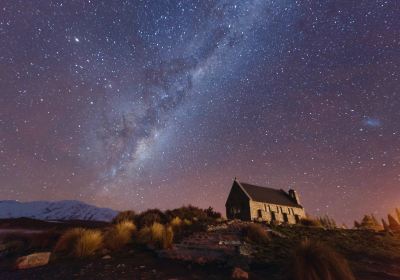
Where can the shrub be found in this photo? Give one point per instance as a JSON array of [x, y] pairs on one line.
[[256, 233], [314, 261], [123, 216], [168, 237], [212, 214], [144, 235], [309, 222], [120, 235], [31, 241], [327, 222], [151, 216], [90, 241], [188, 212], [157, 232], [176, 222], [66, 243], [393, 224], [369, 223], [157, 235], [79, 242]]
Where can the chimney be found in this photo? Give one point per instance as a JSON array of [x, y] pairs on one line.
[[293, 194]]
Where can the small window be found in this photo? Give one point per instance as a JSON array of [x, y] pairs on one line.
[[259, 214], [285, 218]]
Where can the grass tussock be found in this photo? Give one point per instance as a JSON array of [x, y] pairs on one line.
[[157, 235], [119, 235], [79, 242], [176, 222], [316, 261], [256, 233], [310, 222], [123, 216]]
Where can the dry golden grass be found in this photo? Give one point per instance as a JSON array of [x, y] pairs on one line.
[[176, 222], [256, 234], [168, 237], [156, 235], [310, 222], [89, 242], [315, 261], [79, 242], [157, 232], [144, 235], [120, 235]]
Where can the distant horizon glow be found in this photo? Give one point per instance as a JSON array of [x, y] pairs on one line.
[[149, 104]]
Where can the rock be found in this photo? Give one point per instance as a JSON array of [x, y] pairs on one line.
[[106, 257], [33, 260], [239, 273]]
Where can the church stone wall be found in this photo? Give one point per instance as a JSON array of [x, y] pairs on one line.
[[260, 211]]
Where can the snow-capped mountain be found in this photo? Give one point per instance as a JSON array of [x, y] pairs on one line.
[[55, 210]]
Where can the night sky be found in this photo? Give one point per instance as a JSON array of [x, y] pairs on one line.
[[143, 104]]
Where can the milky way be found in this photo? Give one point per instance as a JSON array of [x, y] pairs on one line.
[[143, 104]]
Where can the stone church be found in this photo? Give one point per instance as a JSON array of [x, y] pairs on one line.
[[254, 203]]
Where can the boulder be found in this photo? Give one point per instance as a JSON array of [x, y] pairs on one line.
[[33, 260], [239, 273]]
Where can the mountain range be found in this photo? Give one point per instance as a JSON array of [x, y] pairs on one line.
[[55, 210]]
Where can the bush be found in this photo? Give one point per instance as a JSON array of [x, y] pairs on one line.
[[79, 242], [144, 235], [30, 241], [176, 222], [313, 261], [123, 216], [187, 212], [212, 214], [327, 222], [393, 224], [151, 216], [256, 233], [157, 232], [309, 222], [157, 235], [369, 222], [119, 235], [168, 237]]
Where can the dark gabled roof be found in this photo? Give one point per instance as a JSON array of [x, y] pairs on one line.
[[268, 195]]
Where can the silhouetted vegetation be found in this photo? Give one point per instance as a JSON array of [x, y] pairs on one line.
[[151, 216], [327, 222], [256, 233], [315, 261], [123, 216], [79, 242], [368, 222], [310, 222], [119, 235]]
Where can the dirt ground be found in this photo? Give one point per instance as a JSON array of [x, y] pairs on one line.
[[134, 265]]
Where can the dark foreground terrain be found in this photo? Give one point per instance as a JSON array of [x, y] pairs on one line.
[[210, 253], [130, 265]]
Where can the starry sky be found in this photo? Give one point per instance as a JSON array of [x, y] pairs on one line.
[[143, 104]]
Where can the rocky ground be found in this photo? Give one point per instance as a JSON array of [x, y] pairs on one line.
[[129, 265], [223, 251]]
